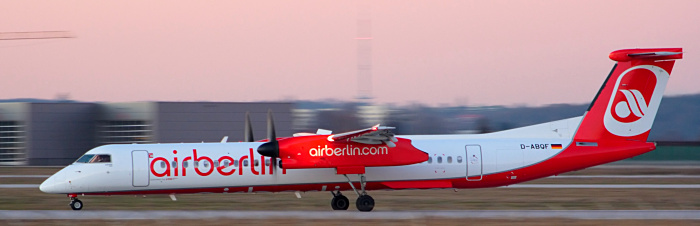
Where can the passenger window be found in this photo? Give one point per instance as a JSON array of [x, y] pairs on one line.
[[226, 163], [439, 160], [235, 163], [206, 164], [459, 159], [245, 162], [430, 159], [184, 164], [449, 159], [267, 162], [162, 164], [257, 163], [196, 164], [279, 164], [174, 164]]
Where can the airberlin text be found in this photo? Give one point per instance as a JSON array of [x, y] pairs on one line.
[[204, 165], [348, 150]]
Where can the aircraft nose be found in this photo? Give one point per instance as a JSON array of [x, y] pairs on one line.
[[48, 185], [52, 184]]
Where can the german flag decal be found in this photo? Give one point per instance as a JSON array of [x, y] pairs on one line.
[[556, 146]]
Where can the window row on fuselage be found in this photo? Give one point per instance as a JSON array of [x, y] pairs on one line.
[[439, 159], [245, 163], [102, 158]]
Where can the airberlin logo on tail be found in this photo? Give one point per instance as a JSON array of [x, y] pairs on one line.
[[635, 100], [634, 104]]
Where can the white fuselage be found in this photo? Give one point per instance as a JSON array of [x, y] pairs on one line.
[[135, 167]]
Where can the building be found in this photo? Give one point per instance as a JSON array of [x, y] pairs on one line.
[[58, 133], [45, 133]]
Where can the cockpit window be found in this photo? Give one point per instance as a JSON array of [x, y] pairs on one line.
[[95, 159], [101, 158], [85, 158]]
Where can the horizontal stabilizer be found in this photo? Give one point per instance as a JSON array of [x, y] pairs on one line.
[[647, 54]]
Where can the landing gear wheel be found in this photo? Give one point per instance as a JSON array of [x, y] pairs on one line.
[[365, 203], [76, 204], [340, 202]]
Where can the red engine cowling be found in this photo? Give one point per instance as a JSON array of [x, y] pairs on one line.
[[317, 151]]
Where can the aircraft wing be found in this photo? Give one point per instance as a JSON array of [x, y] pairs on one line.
[[375, 135]]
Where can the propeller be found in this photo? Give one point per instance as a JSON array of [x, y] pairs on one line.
[[271, 136], [271, 148], [248, 136]]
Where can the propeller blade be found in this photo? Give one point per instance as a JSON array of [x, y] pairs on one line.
[[270, 126], [248, 136], [272, 147]]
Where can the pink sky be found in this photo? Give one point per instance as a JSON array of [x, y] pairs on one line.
[[432, 52]]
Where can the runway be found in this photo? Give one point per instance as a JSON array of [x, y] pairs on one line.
[[19, 185], [652, 165], [673, 176], [656, 186], [679, 176], [25, 176], [380, 215]]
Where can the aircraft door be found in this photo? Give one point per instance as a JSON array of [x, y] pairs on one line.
[[474, 166], [139, 168]]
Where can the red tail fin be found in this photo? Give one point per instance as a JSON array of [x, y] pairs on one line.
[[626, 104]]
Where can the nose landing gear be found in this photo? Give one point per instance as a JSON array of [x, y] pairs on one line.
[[75, 203]]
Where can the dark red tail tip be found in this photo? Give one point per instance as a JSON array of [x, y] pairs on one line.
[[647, 54]]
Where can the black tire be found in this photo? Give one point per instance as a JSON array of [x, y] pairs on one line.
[[76, 204], [365, 203], [340, 202]]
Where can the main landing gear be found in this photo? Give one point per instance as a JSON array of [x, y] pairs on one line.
[[75, 203], [339, 201], [364, 203]]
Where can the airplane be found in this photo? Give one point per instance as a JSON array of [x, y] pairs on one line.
[[615, 127]]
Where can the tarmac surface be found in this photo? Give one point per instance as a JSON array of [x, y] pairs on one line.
[[643, 210], [655, 186], [560, 176], [669, 186], [25, 176], [382, 215]]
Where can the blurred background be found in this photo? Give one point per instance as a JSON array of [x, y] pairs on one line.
[[78, 74], [56, 132]]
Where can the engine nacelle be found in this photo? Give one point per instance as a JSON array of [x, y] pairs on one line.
[[320, 152]]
